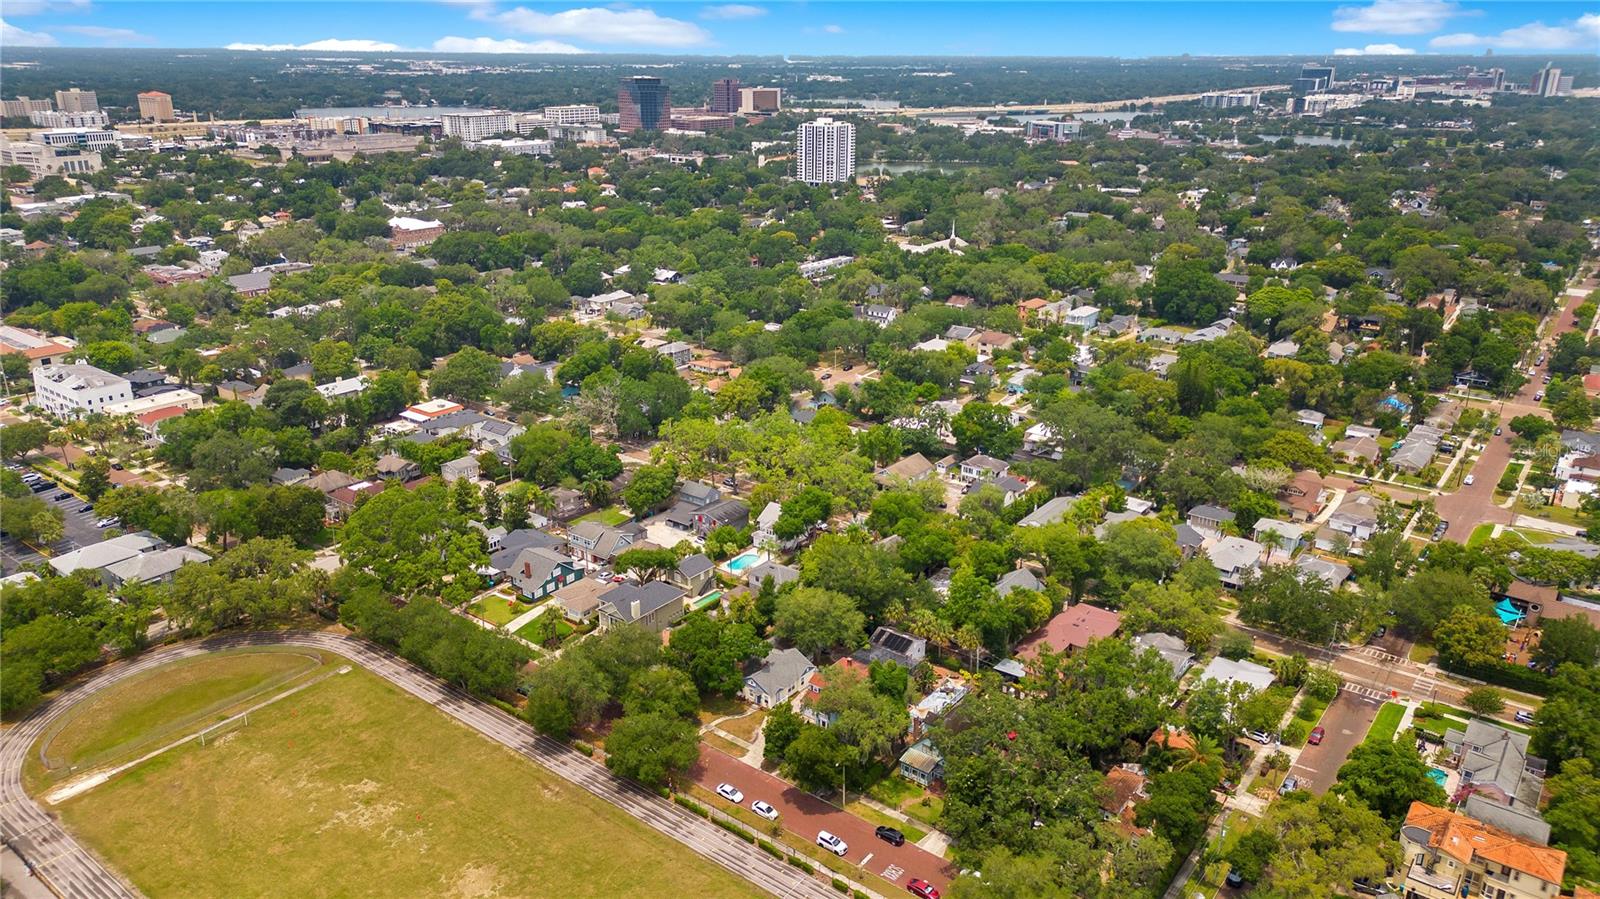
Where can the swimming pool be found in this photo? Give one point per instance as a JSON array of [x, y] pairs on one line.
[[744, 560], [1438, 775]]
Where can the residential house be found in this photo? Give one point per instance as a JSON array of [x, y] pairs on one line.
[[1190, 541], [98, 556], [1210, 519], [1446, 855], [776, 678], [1053, 511], [1356, 449], [962, 334], [777, 572], [677, 351], [1302, 497], [153, 567], [289, 477], [1495, 763], [1121, 791], [540, 571], [983, 468], [580, 600], [693, 496], [1310, 418], [1084, 317], [654, 605], [763, 534], [601, 304], [1283, 536], [568, 503], [911, 469], [922, 764], [599, 544], [732, 513], [877, 314], [394, 467], [939, 701], [1356, 519], [1334, 574], [1227, 671], [1173, 650], [889, 645], [1234, 558], [1071, 630], [1413, 454], [693, 574], [1282, 349], [456, 469], [1017, 579], [506, 546], [991, 342]]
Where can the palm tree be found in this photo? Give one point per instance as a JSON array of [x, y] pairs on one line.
[[597, 492], [1201, 751], [541, 500], [61, 438]]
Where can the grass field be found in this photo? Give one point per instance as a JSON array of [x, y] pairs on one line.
[[497, 610], [140, 712], [611, 516], [353, 788], [1387, 722]]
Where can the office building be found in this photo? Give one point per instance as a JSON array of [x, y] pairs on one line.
[[49, 119], [88, 138], [22, 107], [42, 160], [700, 120], [156, 106], [587, 132], [572, 115], [725, 95], [1056, 131], [760, 100], [515, 146], [476, 125], [1547, 83], [644, 104], [76, 100], [825, 152], [74, 390], [1314, 78], [1229, 100]]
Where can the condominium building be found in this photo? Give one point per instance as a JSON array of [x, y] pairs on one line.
[[75, 390], [156, 106], [41, 160], [572, 115], [75, 100], [1447, 854], [725, 95], [755, 100], [644, 104], [22, 107], [1229, 100], [476, 125], [48, 119], [825, 152]]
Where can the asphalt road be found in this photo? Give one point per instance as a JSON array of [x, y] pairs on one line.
[[76, 872], [804, 814], [1346, 722]]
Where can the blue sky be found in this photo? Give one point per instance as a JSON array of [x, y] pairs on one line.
[[809, 27]]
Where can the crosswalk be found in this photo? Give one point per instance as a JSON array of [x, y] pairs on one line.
[[1364, 691]]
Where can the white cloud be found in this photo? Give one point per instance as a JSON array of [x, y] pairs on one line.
[[334, 44], [110, 35], [1375, 50], [833, 29], [12, 36], [733, 11], [604, 26], [15, 8], [491, 45], [1579, 35], [1396, 16]]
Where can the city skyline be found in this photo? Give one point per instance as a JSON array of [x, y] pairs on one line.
[[1382, 27]]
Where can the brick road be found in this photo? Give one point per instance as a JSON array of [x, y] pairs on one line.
[[804, 814]]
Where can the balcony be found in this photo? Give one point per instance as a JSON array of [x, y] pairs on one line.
[[1427, 883]]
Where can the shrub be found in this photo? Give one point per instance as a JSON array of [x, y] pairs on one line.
[[857, 894], [801, 863], [692, 806], [840, 885], [583, 747], [769, 849], [734, 829], [1296, 732]]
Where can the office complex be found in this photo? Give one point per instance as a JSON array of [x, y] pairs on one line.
[[725, 95], [825, 152], [1230, 100], [75, 100], [643, 103], [1314, 78], [1548, 82], [1056, 131], [476, 125], [75, 390], [572, 115], [42, 160], [88, 138], [51, 119], [155, 106], [22, 107], [753, 100]]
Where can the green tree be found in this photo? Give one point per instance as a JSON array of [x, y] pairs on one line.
[[985, 428], [712, 651], [814, 620], [94, 477], [1563, 640], [1323, 843], [1567, 726], [468, 375], [816, 760], [652, 748], [1387, 776], [20, 439], [782, 728], [651, 486], [661, 690], [1574, 817], [1469, 639], [415, 543], [648, 564], [1485, 701]]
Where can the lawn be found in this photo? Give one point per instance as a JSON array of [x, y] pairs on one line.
[[354, 788], [873, 816], [1387, 722], [1479, 535], [498, 610], [536, 628], [112, 725], [747, 727], [612, 516], [1422, 652], [714, 707]]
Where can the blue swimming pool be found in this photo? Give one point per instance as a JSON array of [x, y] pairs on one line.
[[744, 560], [1438, 775]]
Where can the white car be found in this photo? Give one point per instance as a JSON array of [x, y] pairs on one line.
[[730, 793], [1468, 480], [832, 843], [108, 523], [764, 810]]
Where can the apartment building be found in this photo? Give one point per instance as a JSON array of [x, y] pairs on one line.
[[577, 114], [825, 152], [476, 125], [74, 390], [1447, 854], [23, 107], [75, 100]]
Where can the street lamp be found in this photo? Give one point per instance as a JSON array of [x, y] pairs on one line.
[[844, 797]]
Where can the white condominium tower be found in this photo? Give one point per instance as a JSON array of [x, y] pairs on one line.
[[826, 152]]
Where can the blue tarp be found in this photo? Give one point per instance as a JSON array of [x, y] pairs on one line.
[[1509, 614]]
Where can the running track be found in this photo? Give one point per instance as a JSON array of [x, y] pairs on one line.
[[76, 872]]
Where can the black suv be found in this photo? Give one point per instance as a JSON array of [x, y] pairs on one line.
[[891, 836]]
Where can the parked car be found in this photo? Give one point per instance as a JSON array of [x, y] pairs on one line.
[[832, 843], [1546, 379], [1260, 736], [1469, 480], [1497, 430], [730, 793], [891, 836], [1289, 785], [827, 375], [764, 810], [1539, 397], [920, 887], [1316, 735], [1235, 880], [62, 497], [108, 522], [1523, 717]]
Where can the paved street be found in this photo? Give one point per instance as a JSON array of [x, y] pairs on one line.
[[1346, 721], [76, 872], [804, 814]]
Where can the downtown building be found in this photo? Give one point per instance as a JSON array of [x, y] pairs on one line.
[[825, 152], [760, 100], [644, 104], [725, 95], [156, 106], [23, 107], [476, 125], [76, 100], [572, 115]]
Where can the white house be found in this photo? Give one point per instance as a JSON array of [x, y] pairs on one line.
[[74, 390], [1234, 558], [776, 678]]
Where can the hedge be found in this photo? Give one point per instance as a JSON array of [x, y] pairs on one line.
[[857, 894], [1515, 677], [840, 885], [801, 863], [734, 829], [692, 806], [769, 849], [583, 747]]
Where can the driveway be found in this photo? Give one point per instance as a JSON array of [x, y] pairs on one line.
[[804, 814], [1346, 722]]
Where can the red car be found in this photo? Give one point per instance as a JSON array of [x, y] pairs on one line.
[[1315, 739], [920, 887]]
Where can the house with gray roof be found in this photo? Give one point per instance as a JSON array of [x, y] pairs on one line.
[[780, 574], [97, 556], [1209, 518], [540, 571], [1173, 650], [693, 573], [594, 542], [654, 605], [773, 680], [1334, 574], [1015, 579], [457, 469], [1051, 512], [1495, 762], [1234, 559], [155, 567]]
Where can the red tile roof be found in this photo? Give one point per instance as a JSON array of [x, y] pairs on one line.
[[1072, 629], [1462, 838]]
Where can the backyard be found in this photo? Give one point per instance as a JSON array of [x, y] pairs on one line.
[[611, 516], [317, 787]]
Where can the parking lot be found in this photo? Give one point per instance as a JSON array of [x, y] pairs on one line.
[[77, 522], [1346, 722]]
